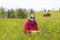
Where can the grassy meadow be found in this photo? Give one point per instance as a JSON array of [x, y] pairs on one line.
[[49, 27]]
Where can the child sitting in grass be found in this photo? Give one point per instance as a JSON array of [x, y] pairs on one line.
[[31, 25]]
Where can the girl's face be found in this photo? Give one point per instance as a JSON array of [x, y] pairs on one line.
[[32, 18]]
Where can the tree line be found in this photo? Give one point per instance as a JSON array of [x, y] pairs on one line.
[[18, 13]]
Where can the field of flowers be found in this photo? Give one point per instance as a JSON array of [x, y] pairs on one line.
[[49, 27]]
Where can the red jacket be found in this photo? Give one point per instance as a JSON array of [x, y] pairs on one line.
[[30, 26]]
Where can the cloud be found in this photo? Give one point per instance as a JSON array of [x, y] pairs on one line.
[[35, 4]]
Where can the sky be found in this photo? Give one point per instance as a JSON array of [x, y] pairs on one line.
[[30, 4]]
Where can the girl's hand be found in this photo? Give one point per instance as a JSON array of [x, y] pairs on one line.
[[35, 31]]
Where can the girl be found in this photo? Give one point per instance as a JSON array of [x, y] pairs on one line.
[[31, 25]]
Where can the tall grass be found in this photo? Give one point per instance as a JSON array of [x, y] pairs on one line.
[[49, 27]]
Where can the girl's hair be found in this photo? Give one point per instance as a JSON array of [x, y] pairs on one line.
[[32, 15]]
